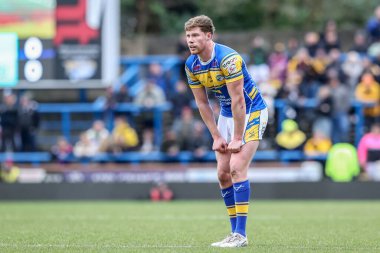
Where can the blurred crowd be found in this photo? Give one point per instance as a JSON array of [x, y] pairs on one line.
[[315, 68]]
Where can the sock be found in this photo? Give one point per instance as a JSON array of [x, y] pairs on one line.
[[242, 193], [229, 200]]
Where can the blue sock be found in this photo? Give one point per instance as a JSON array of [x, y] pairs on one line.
[[229, 200], [242, 193]]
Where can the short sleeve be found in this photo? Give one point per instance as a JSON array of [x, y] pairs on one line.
[[231, 67], [192, 80]]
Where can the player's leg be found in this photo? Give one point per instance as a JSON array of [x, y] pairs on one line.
[[225, 182], [227, 192], [239, 173], [239, 164]]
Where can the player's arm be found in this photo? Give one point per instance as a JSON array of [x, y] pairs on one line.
[[238, 107], [231, 67], [207, 115]]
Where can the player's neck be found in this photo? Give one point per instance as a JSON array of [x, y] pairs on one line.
[[206, 54]]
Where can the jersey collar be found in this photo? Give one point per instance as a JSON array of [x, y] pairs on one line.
[[211, 58]]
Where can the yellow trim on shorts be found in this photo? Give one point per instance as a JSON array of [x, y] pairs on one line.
[[252, 134]]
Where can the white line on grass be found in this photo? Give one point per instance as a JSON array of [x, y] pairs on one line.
[[125, 246], [133, 217], [112, 246]]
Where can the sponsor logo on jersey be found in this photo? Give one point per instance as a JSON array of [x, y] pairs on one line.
[[230, 65]]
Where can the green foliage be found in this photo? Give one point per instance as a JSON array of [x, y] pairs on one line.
[[168, 16]]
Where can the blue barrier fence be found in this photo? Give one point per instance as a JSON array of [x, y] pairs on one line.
[[66, 125], [184, 157]]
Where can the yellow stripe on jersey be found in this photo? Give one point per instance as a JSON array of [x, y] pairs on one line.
[[192, 79], [234, 77], [228, 56], [253, 92]]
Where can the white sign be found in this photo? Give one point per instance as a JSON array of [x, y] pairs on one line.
[[8, 59]]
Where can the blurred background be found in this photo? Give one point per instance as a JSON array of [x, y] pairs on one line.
[[95, 101]]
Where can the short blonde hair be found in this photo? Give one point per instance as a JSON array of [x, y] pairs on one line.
[[203, 22]]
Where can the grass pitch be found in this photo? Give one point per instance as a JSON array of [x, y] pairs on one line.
[[187, 226]]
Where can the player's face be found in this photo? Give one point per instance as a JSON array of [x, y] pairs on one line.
[[197, 40]]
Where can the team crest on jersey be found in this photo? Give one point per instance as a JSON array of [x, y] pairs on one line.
[[214, 64], [219, 78], [197, 67]]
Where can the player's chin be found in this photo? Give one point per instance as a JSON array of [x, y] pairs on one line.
[[194, 51]]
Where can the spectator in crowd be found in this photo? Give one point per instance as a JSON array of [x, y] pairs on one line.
[[371, 67], [368, 92], [169, 145], [323, 121], [184, 129], [329, 27], [292, 47], [342, 163], [113, 97], [373, 26], [312, 43], [374, 49], [122, 95], [258, 57], [268, 92], [201, 142], [319, 144], [369, 149], [148, 141], [352, 68], [62, 150], [123, 137], [9, 123], [97, 134], [181, 98], [151, 96], [157, 75], [360, 45], [85, 148], [304, 65], [341, 107], [331, 41], [29, 120], [277, 62], [290, 137], [335, 64]]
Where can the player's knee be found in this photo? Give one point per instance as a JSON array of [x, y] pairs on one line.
[[236, 171], [224, 177]]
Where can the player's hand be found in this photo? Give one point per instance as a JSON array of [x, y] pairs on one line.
[[234, 146], [220, 145]]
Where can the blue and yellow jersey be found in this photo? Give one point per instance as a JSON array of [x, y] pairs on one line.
[[225, 66]]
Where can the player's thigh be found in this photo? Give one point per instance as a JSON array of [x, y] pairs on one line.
[[223, 162], [240, 161]]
